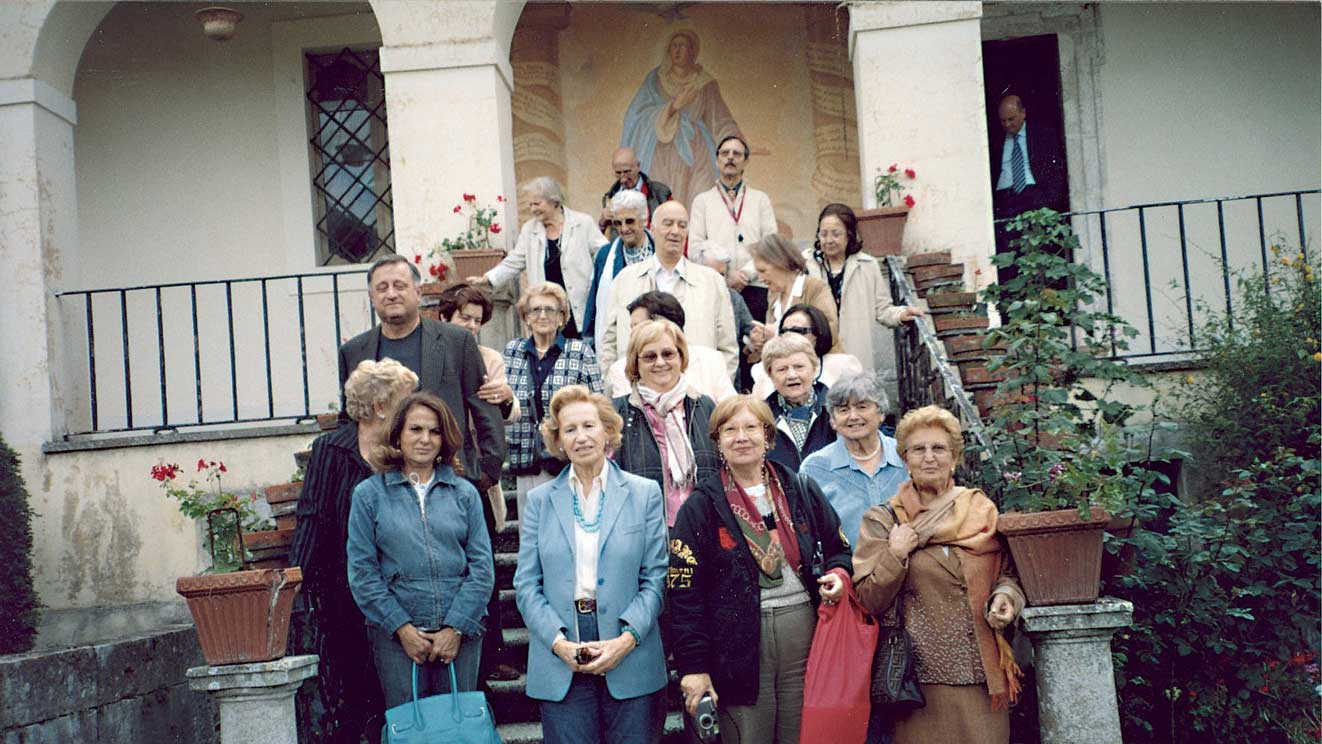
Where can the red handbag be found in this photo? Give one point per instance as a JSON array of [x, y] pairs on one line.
[[837, 687]]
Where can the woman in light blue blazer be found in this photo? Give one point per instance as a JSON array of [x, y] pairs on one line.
[[592, 558]]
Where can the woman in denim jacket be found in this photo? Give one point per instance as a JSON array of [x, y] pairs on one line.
[[419, 557]]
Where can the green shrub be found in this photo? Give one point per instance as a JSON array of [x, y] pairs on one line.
[[1225, 584], [18, 600]]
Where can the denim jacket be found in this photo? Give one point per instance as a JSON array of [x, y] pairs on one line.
[[434, 570]]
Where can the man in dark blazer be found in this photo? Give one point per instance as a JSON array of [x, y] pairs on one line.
[[1027, 169], [629, 175], [444, 356]]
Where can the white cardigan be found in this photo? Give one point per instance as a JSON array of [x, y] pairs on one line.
[[865, 301], [713, 233], [579, 240]]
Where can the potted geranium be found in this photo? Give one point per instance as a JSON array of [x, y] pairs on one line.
[[882, 229], [241, 615], [1065, 454], [471, 253]]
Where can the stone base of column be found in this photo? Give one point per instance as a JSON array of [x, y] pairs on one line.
[[1076, 699], [256, 700]]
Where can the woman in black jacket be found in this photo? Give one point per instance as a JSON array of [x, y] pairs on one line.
[[755, 548], [665, 419]]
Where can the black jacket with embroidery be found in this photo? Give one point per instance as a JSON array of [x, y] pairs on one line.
[[712, 586]]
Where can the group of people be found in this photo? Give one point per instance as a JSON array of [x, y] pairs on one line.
[[665, 518]]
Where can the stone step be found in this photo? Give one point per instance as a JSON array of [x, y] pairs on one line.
[[530, 732]]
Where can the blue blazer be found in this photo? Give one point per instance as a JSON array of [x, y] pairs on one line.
[[631, 569]]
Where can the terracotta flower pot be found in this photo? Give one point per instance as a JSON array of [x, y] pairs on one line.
[[242, 617], [882, 229], [1058, 555], [475, 263]]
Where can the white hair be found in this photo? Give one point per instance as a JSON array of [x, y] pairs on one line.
[[628, 200], [546, 187]]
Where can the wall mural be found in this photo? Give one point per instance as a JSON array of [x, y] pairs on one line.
[[670, 80]]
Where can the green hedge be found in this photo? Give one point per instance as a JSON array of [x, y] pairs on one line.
[[18, 601]]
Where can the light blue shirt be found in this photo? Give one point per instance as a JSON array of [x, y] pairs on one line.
[[1006, 180], [850, 490]]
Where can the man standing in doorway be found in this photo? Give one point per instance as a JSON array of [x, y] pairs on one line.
[[630, 177], [444, 356], [729, 218], [1028, 170]]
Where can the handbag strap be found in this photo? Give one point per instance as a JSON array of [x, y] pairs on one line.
[[899, 596], [417, 709], [455, 711]]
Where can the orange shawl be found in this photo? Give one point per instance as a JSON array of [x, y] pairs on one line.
[[966, 519]]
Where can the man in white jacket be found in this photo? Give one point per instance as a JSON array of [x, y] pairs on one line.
[[729, 218], [702, 292]]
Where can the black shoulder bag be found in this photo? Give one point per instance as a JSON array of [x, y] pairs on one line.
[[894, 679]]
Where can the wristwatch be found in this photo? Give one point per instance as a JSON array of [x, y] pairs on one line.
[[457, 631]]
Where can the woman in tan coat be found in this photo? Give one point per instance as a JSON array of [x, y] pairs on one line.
[[936, 543], [780, 265]]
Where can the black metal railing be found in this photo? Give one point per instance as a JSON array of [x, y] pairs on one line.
[[1163, 261], [924, 373], [234, 380]]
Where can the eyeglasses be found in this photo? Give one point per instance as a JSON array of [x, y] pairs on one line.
[[627, 222], [936, 450], [730, 430], [538, 311], [801, 330], [730, 153], [650, 357], [836, 234]]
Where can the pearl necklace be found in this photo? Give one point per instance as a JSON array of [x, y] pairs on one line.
[[868, 456]]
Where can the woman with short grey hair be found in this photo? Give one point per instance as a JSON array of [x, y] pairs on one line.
[[862, 467], [632, 244], [557, 245]]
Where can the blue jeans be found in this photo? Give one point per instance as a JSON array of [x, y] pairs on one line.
[[396, 669], [589, 715]]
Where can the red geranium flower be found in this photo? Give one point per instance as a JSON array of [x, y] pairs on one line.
[[417, 259], [458, 208], [495, 229], [201, 465], [500, 198], [470, 198], [893, 168], [441, 271], [908, 200], [435, 270], [910, 173], [222, 468]]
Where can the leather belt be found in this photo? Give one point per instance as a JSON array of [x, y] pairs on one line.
[[585, 606]]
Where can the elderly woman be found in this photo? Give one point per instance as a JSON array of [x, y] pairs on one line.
[[346, 677], [633, 245], [798, 404], [809, 322], [706, 370], [420, 563], [858, 285], [470, 308], [556, 245], [935, 545], [591, 564], [781, 266], [862, 468], [539, 365], [665, 418], [754, 550]]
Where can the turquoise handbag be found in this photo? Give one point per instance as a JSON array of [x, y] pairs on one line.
[[454, 718]]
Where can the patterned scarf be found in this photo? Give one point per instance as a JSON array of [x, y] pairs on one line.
[[665, 416], [799, 418], [772, 540]]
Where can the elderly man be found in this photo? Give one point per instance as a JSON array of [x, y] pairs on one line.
[[728, 219], [862, 468], [630, 177], [445, 358], [632, 245], [699, 289], [1028, 170]]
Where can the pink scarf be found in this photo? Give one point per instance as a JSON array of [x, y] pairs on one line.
[[665, 416]]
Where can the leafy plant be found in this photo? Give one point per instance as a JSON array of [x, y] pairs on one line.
[[18, 600], [197, 502], [1058, 437], [890, 190], [1226, 581]]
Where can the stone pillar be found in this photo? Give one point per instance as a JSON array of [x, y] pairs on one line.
[[1076, 699], [918, 84], [256, 700], [539, 121]]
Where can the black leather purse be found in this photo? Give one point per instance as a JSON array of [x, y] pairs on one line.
[[894, 679]]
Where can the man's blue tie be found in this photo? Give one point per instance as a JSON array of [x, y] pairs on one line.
[[1018, 171]]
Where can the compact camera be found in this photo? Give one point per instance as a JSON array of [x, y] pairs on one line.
[[706, 725]]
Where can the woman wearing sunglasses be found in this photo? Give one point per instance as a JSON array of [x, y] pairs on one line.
[[665, 418], [633, 245]]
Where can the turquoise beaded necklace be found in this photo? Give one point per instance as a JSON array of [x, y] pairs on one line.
[[595, 524]]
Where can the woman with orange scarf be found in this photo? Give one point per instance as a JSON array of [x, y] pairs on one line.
[[936, 543]]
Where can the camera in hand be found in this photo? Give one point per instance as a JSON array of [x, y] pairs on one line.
[[706, 725], [581, 655]]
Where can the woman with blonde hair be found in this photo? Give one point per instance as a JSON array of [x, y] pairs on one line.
[[933, 553], [589, 581], [665, 418]]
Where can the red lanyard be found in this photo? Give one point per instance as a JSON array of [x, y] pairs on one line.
[[729, 205]]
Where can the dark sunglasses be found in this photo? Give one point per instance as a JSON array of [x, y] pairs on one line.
[[801, 330], [630, 222]]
